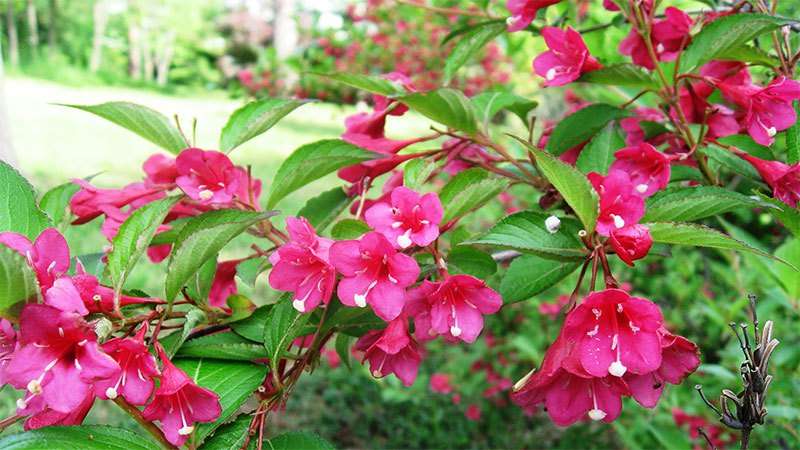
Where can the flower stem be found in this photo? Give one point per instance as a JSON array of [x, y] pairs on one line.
[[150, 427]]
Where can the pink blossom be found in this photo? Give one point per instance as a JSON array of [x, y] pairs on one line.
[[138, 369], [567, 59], [303, 266], [224, 284], [635, 134], [473, 412], [48, 417], [524, 11], [784, 179], [767, 110], [89, 201], [8, 343], [98, 298], [160, 170], [208, 177], [58, 359], [552, 309], [374, 273], [391, 350], [631, 243], [647, 168], [179, 403], [620, 204], [409, 219], [455, 306], [48, 255], [615, 333], [63, 295], [670, 35], [440, 383]]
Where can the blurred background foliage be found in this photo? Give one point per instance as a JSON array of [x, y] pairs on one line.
[[200, 59]]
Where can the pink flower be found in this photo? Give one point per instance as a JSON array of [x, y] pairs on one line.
[[440, 383], [552, 309], [631, 243], [89, 201], [670, 35], [224, 284], [374, 273], [635, 134], [784, 179], [391, 350], [620, 205], [524, 11], [63, 295], [303, 266], [48, 255], [8, 343], [160, 170], [455, 306], [49, 417], [100, 299], [135, 380], [767, 110], [647, 168], [615, 333], [567, 59], [208, 177], [179, 403], [58, 359], [409, 219], [473, 412]]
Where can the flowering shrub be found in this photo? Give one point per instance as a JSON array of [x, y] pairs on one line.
[[407, 252]]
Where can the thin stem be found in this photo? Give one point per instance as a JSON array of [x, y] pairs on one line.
[[150, 427], [8, 421]]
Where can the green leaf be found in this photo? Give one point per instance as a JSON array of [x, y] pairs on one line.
[[417, 171], [284, 325], [581, 125], [725, 34], [598, 154], [354, 321], [342, 345], [447, 106], [249, 270], [254, 119], [84, 437], [525, 231], [226, 345], [133, 238], [311, 162], [698, 236], [749, 54], [573, 186], [169, 236], [202, 238], [55, 202], [489, 104], [296, 440], [471, 261], [467, 191], [369, 83], [17, 282], [793, 139], [746, 143], [471, 43], [734, 163], [231, 436], [349, 229], [323, 209], [234, 382], [788, 216], [790, 252], [174, 341], [147, 123], [18, 210], [253, 327], [199, 285], [626, 75], [694, 203], [529, 275]]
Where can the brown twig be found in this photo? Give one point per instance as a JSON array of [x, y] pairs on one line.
[[150, 427]]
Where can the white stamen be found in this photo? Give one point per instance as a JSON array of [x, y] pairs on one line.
[[35, 387], [597, 414], [392, 279], [361, 300], [51, 267], [455, 331], [205, 194], [619, 307], [552, 224], [78, 365], [660, 48], [397, 225], [551, 74], [619, 222], [641, 188], [593, 331], [60, 331], [617, 369], [597, 313], [771, 131], [299, 304], [111, 393], [614, 342], [404, 240], [21, 404], [634, 328], [186, 430]]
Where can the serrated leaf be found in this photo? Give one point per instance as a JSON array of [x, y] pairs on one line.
[[749, 54], [729, 160], [471, 261], [174, 341], [249, 270], [134, 237], [467, 191], [788, 216], [529, 275], [417, 171], [199, 285], [311, 162], [626, 75], [353, 321], [55, 202], [201, 239], [581, 125], [252, 328], [793, 139], [447, 106], [323, 209], [17, 282], [694, 203], [231, 436], [228, 345], [489, 104], [525, 231], [234, 382], [746, 143], [349, 229], [472, 41], [573, 186], [369, 83], [18, 209], [146, 122], [84, 437], [598, 155], [724, 34], [284, 324], [254, 119]]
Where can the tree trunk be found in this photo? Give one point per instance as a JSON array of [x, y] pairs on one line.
[[7, 153], [13, 38], [33, 25], [52, 29], [164, 58], [285, 36], [100, 23], [147, 55]]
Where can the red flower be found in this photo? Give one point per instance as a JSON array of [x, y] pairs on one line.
[[208, 177], [524, 11], [135, 381], [620, 204], [391, 350], [647, 168], [631, 243], [567, 59], [784, 179]]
